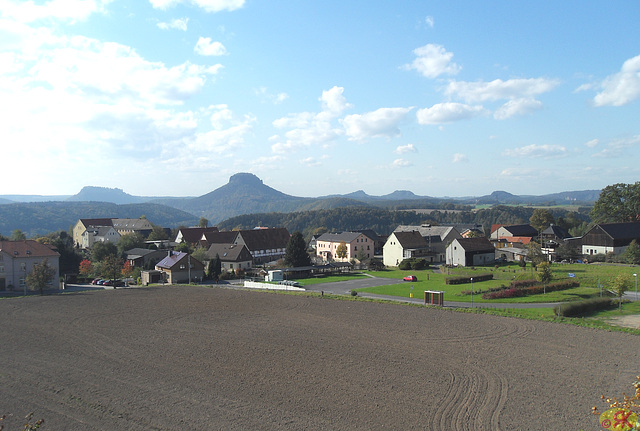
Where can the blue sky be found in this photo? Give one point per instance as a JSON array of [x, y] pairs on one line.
[[172, 97]]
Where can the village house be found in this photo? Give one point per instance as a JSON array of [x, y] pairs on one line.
[[179, 267], [144, 258], [470, 252], [357, 244], [193, 235], [265, 244], [17, 259], [404, 245], [436, 237], [607, 238], [87, 232], [232, 256]]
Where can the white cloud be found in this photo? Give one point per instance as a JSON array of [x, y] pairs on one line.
[[448, 112], [592, 143], [517, 107], [459, 157], [205, 46], [622, 87], [403, 149], [401, 163], [380, 123], [206, 5], [432, 61], [175, 24], [537, 151], [310, 161], [473, 92], [521, 174], [71, 10], [273, 98], [618, 147], [429, 21], [309, 128]]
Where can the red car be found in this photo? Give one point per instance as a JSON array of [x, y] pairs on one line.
[[410, 278]]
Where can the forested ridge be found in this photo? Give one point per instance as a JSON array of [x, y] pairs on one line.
[[384, 221]]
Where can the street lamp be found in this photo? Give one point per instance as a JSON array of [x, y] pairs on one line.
[[636, 277], [471, 292]]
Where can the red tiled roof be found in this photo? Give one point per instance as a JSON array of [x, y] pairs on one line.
[[27, 248]]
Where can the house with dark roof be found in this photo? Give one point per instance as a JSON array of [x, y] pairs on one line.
[[98, 226], [232, 256], [17, 259], [437, 238], [179, 267], [144, 257], [404, 245], [193, 235], [553, 237], [265, 244], [218, 237], [613, 238], [471, 252]]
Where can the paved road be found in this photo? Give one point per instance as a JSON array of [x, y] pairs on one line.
[[345, 288]]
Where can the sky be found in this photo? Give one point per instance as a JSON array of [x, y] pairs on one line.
[[460, 98]]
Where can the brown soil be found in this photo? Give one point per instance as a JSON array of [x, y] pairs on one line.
[[217, 359]]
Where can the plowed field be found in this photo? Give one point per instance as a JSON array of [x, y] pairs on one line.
[[202, 358]]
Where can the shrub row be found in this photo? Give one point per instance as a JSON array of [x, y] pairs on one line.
[[514, 292], [581, 308], [467, 279], [413, 263]]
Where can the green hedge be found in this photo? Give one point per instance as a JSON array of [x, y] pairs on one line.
[[581, 308], [467, 279]]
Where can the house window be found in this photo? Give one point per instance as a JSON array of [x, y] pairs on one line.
[[1, 268], [23, 266], [21, 282], [231, 265]]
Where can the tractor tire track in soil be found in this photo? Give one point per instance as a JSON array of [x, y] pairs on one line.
[[191, 357]]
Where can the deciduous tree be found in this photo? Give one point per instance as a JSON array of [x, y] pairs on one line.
[[620, 285], [341, 250], [632, 253], [544, 275], [40, 276], [617, 203], [541, 219]]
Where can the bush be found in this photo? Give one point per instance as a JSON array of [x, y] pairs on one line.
[[581, 308], [467, 279], [513, 291], [418, 264], [354, 293], [405, 265]]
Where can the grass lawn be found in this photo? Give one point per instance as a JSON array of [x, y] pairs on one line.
[[588, 275], [330, 278]]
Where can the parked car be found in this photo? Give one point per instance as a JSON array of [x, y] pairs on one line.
[[95, 281], [410, 278]]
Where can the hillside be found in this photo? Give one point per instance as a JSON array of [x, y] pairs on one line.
[[37, 218], [105, 194]]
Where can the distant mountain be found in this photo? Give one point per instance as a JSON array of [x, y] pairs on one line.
[[8, 199], [584, 197], [38, 218], [105, 194], [244, 193]]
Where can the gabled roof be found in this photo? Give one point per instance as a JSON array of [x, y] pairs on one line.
[[135, 253], [264, 239], [370, 233], [224, 237], [96, 222], [347, 237], [428, 231], [476, 244], [171, 260], [229, 252], [132, 223], [194, 234], [27, 248], [410, 240], [558, 231], [621, 230], [521, 239], [521, 230]]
